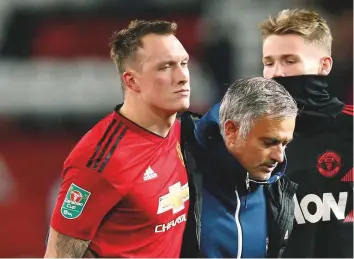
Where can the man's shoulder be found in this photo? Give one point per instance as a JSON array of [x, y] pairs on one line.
[[188, 121], [345, 118], [348, 110], [97, 147]]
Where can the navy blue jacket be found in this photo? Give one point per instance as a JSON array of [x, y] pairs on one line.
[[234, 208]]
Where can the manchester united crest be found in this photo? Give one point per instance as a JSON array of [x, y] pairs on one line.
[[329, 164], [179, 153]]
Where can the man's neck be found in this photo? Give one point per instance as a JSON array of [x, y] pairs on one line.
[[153, 120]]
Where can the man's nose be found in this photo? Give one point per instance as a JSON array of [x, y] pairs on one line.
[[278, 154], [182, 75], [278, 71]]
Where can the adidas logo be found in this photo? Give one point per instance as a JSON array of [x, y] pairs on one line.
[[149, 174]]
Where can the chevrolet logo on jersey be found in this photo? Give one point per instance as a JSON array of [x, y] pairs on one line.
[[174, 200]]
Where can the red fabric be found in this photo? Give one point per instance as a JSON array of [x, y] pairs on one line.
[[349, 177], [348, 109], [349, 217], [124, 215]]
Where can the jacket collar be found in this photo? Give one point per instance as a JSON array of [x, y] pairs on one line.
[[311, 94], [317, 108]]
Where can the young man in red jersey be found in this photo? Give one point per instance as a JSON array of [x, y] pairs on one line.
[[125, 187]]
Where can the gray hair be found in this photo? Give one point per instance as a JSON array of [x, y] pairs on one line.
[[249, 99]]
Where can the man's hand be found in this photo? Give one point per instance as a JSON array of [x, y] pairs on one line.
[[62, 246]]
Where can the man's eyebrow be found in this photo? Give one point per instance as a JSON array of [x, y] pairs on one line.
[[281, 56], [171, 60], [277, 140], [267, 58], [167, 61]]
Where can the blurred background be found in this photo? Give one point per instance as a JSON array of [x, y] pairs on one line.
[[57, 81]]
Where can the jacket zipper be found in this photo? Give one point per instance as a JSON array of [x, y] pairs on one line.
[[247, 181], [238, 226], [237, 216]]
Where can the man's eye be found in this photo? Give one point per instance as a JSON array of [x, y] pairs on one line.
[[164, 67], [291, 61], [268, 144]]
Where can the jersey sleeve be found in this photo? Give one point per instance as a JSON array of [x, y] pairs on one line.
[[85, 197]]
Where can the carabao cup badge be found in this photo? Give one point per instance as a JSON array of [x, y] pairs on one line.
[[75, 201]]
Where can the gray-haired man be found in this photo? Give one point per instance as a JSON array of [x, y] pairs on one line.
[[247, 208]]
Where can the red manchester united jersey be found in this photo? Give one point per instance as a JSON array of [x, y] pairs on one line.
[[126, 190]]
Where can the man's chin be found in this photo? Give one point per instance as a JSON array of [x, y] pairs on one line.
[[183, 107], [260, 176], [178, 108]]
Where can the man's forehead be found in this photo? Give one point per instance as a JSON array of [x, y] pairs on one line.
[[288, 39], [277, 46], [161, 43], [166, 50], [268, 127], [281, 51], [163, 56]]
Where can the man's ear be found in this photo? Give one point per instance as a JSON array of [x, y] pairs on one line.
[[231, 130], [130, 80], [326, 66]]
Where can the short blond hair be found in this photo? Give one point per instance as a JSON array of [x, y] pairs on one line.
[[307, 24]]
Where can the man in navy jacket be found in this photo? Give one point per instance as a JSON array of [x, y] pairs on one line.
[[247, 208]]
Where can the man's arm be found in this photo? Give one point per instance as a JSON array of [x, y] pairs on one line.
[[63, 246]]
